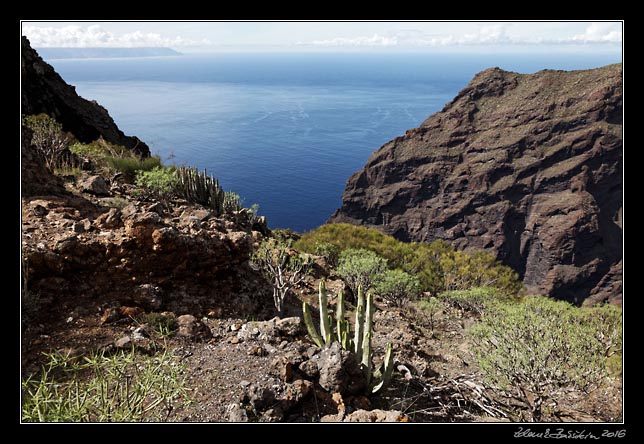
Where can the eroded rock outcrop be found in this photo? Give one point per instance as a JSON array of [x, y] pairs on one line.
[[136, 256], [44, 91], [528, 167]]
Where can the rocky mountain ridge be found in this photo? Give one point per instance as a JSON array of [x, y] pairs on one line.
[[44, 91], [528, 167]]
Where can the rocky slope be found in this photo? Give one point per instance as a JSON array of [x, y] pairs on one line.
[[81, 250], [44, 91], [528, 167]]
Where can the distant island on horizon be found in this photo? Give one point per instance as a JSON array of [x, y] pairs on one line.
[[105, 53]]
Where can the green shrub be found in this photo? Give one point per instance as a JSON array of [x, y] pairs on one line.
[[397, 287], [472, 301], [328, 251], [130, 166], [424, 262], [537, 352], [48, 137], [114, 158], [437, 265], [360, 267], [161, 183], [67, 170], [287, 235], [431, 306], [460, 271], [92, 151], [606, 320], [347, 236], [119, 388]]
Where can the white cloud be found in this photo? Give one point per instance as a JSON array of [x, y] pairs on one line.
[[600, 33], [496, 34], [410, 37], [95, 36], [374, 40]]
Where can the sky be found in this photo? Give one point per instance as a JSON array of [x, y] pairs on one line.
[[306, 36]]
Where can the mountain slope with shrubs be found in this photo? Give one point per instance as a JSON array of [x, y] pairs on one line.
[[149, 293]]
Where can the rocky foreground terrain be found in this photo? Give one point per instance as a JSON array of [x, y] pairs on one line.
[[528, 167], [97, 261]]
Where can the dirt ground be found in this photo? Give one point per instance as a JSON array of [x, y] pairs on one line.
[[445, 385]]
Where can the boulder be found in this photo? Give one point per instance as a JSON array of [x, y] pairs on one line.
[[95, 185], [339, 370], [109, 220], [148, 296], [193, 328]]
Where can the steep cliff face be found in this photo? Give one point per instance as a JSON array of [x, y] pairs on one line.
[[528, 167], [44, 91]]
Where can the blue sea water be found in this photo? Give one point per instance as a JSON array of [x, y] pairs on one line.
[[285, 131]]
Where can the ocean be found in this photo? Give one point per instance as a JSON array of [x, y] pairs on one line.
[[285, 131]]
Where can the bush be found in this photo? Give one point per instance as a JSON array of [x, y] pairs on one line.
[[473, 301], [114, 158], [328, 251], [360, 267], [397, 287], [161, 183], [92, 151], [606, 321], [130, 166], [424, 262], [437, 265], [282, 266], [117, 388], [431, 306], [461, 271], [538, 351], [49, 139], [346, 236]]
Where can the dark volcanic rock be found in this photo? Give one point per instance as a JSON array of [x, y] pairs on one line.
[[339, 370], [528, 167], [44, 91], [144, 260]]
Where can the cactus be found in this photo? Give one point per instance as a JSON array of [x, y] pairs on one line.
[[325, 324], [342, 325], [382, 375], [366, 339], [359, 326], [201, 188], [361, 345], [309, 326]]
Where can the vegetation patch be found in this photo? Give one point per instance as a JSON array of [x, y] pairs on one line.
[[437, 265], [538, 352], [122, 387]]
